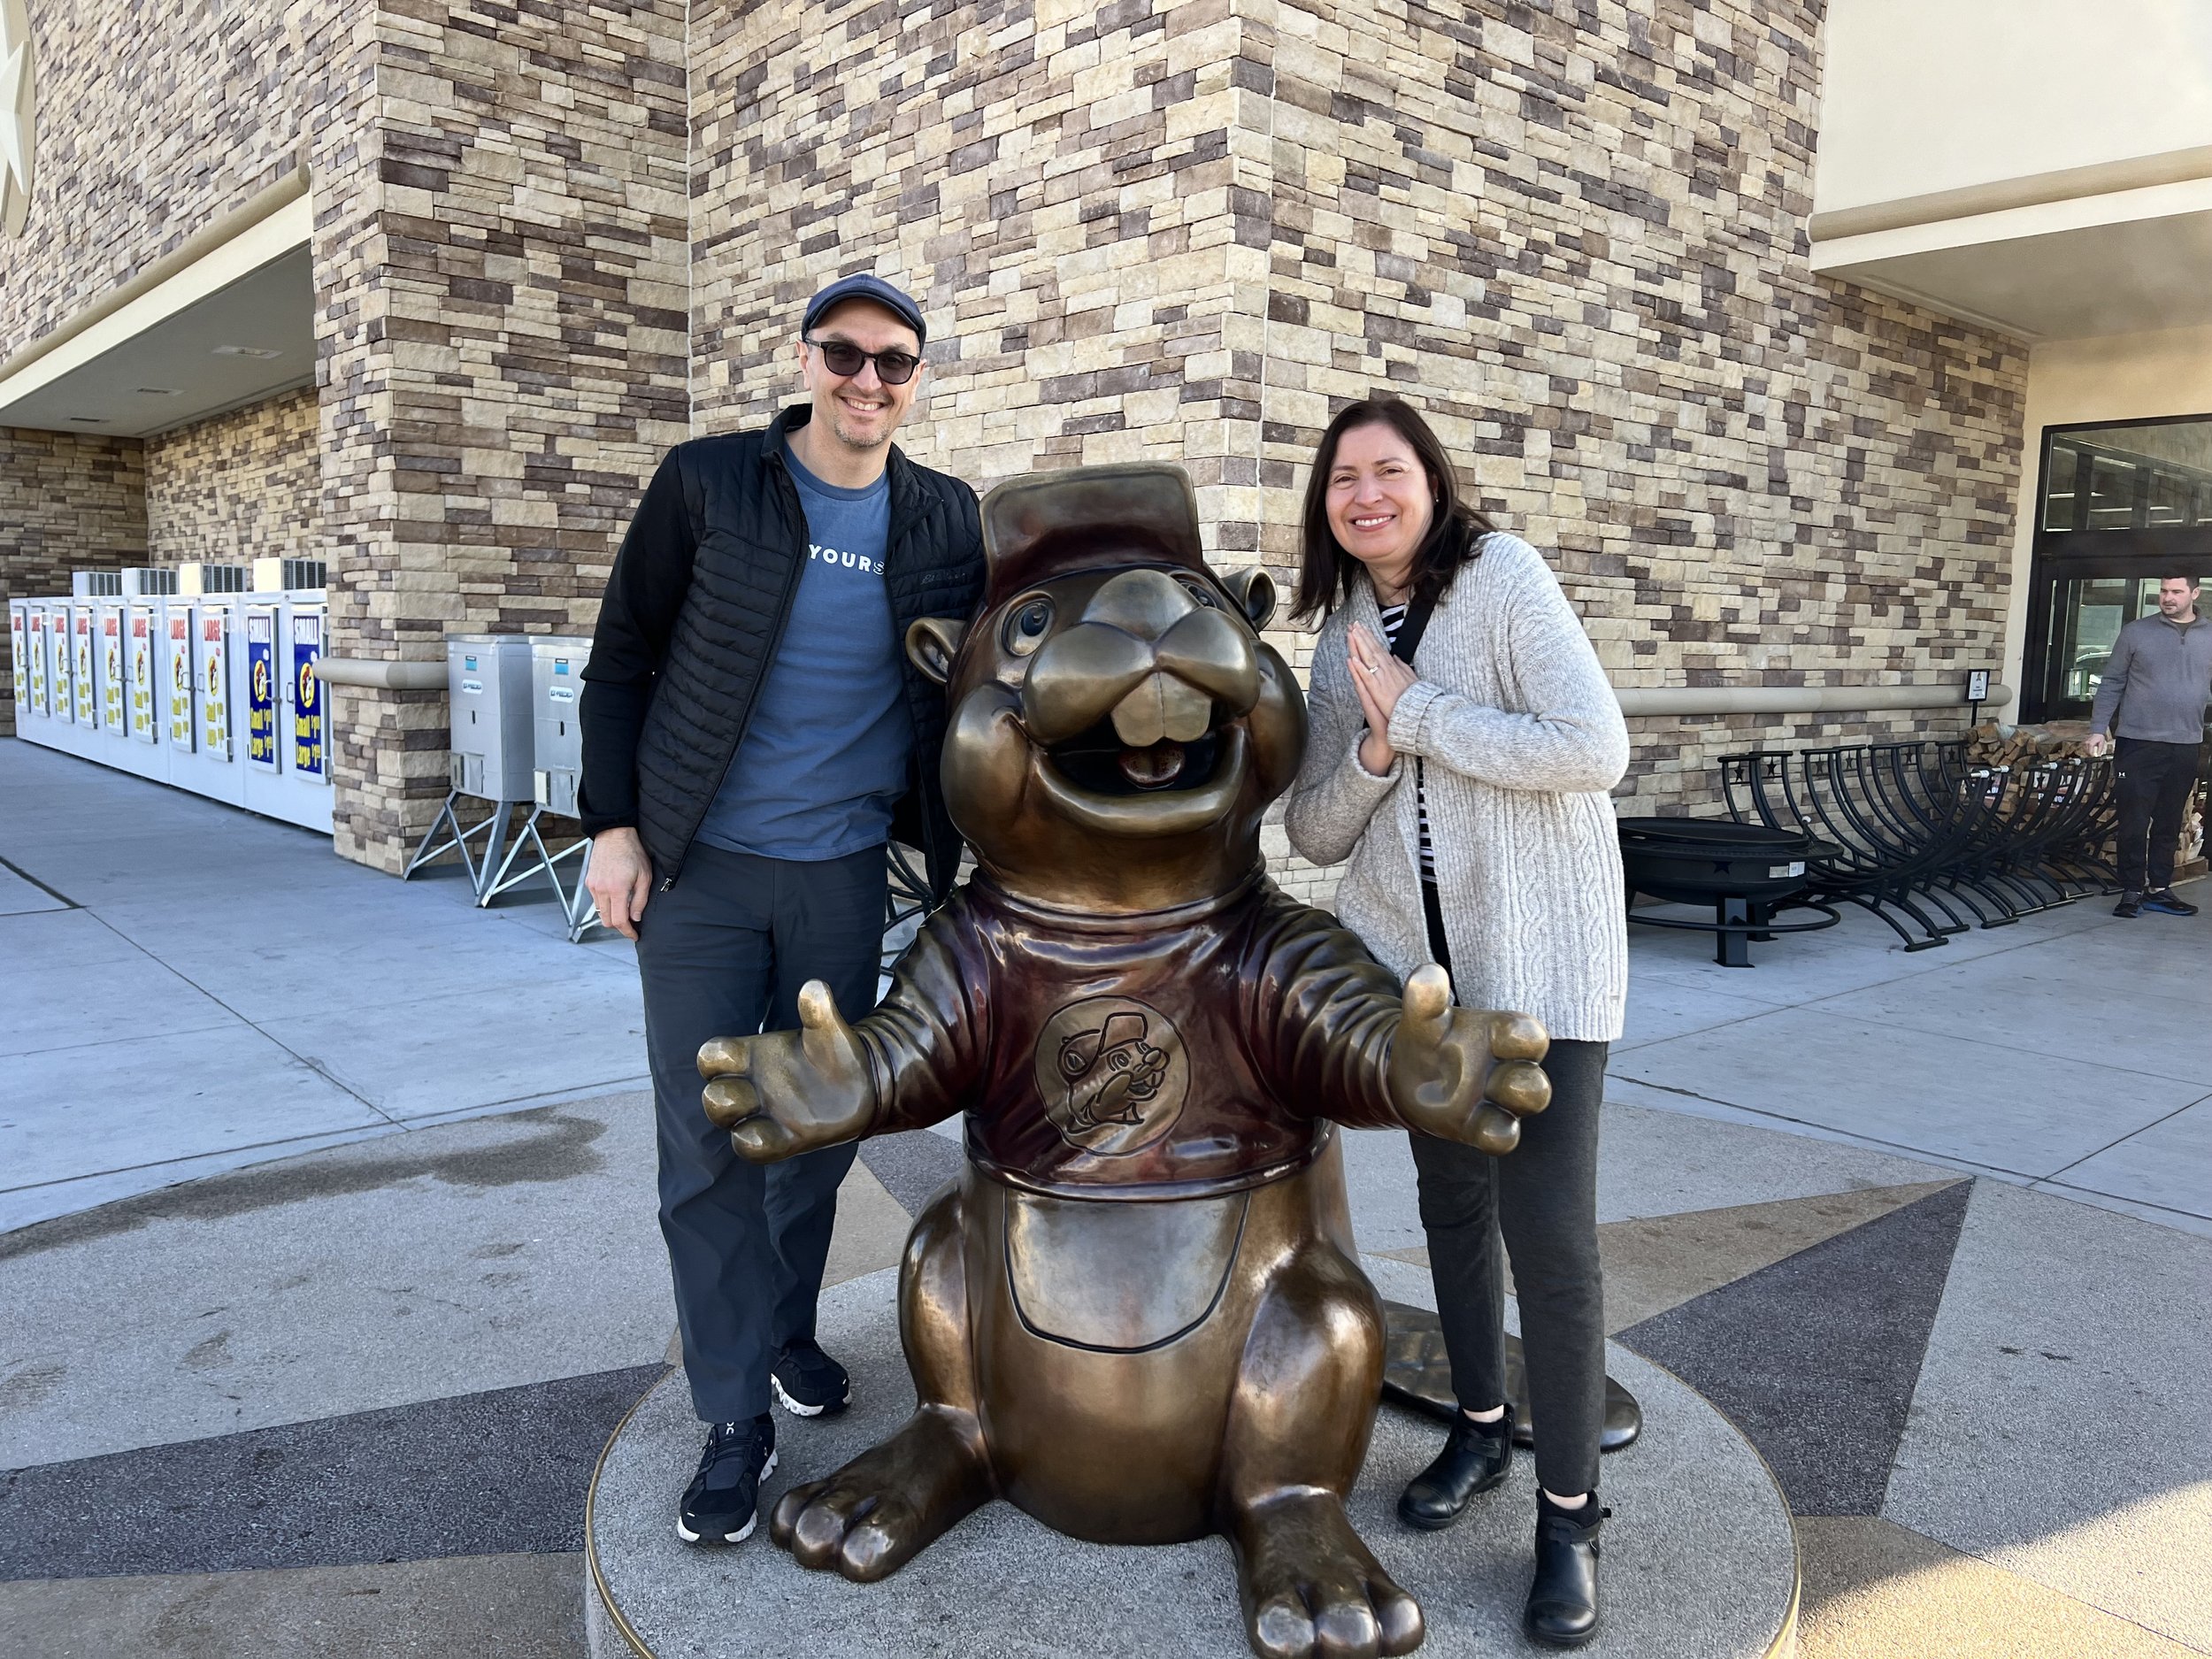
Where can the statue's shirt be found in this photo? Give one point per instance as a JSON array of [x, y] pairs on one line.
[[1178, 1053]]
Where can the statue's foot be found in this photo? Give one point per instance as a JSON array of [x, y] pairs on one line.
[[1312, 1590], [877, 1513]]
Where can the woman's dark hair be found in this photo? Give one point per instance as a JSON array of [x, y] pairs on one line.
[[1326, 570]]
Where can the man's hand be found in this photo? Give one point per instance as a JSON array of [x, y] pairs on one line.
[[1461, 1074], [620, 879], [788, 1092], [2096, 744]]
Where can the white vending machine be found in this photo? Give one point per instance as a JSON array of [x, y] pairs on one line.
[[84, 653], [287, 724], [110, 621], [19, 660], [178, 705], [207, 761], [49, 669], [142, 655], [31, 706]]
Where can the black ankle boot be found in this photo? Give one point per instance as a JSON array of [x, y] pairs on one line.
[[1474, 1460], [1562, 1602]]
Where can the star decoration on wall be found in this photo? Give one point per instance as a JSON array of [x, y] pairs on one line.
[[16, 123]]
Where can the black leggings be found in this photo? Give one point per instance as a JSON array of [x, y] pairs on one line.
[[1542, 1200]]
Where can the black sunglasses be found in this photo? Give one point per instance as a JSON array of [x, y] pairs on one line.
[[843, 359]]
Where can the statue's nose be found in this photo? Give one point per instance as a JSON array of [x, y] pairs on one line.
[[1145, 602], [1148, 653]]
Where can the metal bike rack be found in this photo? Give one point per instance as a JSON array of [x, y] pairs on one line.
[[1930, 840]]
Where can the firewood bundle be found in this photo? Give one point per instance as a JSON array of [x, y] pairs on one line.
[[1993, 743]]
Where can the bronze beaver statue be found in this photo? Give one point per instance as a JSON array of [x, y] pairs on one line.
[[1138, 1314]]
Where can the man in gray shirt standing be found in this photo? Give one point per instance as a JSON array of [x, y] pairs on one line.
[[2157, 681]]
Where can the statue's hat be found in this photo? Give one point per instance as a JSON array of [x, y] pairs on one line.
[[1089, 517]]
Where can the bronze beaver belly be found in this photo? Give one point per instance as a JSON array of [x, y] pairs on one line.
[[1139, 1314]]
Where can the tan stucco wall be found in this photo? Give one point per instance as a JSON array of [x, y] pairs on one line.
[[1924, 95]]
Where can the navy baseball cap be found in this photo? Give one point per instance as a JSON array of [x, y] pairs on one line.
[[866, 286]]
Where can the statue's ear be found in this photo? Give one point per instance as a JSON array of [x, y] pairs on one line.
[[1253, 589], [931, 643]]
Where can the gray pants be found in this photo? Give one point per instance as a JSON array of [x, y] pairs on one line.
[[723, 953]]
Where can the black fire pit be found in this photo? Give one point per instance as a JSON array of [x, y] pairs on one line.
[[1744, 871]]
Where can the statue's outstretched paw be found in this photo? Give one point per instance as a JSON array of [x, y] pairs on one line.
[[878, 1511], [1312, 1590]]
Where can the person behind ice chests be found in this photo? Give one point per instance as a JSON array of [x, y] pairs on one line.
[[2156, 681], [753, 736], [1468, 790]]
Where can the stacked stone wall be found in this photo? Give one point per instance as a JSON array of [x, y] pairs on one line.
[[68, 503], [504, 336], [1571, 230], [238, 487], [1581, 251], [1573, 233], [155, 118], [1053, 182]]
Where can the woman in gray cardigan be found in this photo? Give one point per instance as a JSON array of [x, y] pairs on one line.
[[1468, 790]]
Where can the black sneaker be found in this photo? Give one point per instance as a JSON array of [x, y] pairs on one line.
[[2130, 905], [2165, 903], [723, 1500], [809, 1383]]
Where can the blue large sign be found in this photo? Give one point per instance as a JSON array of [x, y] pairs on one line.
[[261, 672]]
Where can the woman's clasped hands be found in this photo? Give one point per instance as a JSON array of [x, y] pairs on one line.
[[1379, 680]]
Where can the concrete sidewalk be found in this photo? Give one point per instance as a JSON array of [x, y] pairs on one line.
[[349, 1397], [2070, 1051], [190, 989]]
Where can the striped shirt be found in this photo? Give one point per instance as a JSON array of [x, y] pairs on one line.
[[1393, 619]]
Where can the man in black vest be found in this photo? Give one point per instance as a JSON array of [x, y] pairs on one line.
[[753, 736]]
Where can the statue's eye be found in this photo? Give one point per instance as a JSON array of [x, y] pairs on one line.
[[1202, 594], [1026, 628]]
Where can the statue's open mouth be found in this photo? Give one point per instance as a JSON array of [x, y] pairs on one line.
[[1100, 762]]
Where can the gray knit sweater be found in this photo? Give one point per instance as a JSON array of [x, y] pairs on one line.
[[1520, 738]]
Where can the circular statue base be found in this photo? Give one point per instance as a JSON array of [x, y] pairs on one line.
[[1701, 1557]]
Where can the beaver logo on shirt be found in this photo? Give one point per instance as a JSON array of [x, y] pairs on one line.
[[1112, 1073]]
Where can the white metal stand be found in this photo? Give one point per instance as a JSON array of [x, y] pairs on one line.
[[493, 829], [576, 902]]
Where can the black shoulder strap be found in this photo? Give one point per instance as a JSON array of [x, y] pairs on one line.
[[1415, 624]]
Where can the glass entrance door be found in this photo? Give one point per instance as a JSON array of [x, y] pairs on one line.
[[2121, 506]]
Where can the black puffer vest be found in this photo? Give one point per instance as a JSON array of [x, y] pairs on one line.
[[752, 546]]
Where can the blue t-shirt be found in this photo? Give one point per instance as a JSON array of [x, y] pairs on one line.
[[824, 758]]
